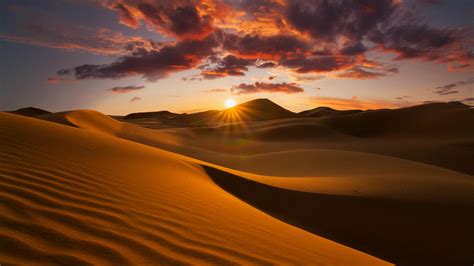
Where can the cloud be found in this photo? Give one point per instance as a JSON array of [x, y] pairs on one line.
[[151, 64], [468, 100], [402, 97], [330, 20], [125, 89], [135, 99], [373, 72], [227, 66], [263, 87], [356, 103], [419, 41], [451, 88], [317, 64], [228, 38], [304, 78], [40, 28], [215, 90], [57, 80], [264, 47], [178, 18], [267, 65]]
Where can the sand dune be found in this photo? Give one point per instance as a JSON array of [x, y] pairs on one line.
[[404, 231], [91, 189], [448, 120], [251, 111], [72, 196], [256, 110], [215, 143], [326, 111], [157, 115], [30, 111]]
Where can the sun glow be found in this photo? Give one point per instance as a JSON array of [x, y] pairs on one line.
[[229, 103]]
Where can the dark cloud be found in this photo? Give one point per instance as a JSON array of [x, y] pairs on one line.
[[151, 64], [134, 99], [303, 36], [271, 77], [227, 66], [125, 89], [317, 64], [375, 72], [470, 100], [180, 19], [263, 87], [353, 49], [267, 65], [327, 20], [429, 2], [451, 88], [416, 41], [262, 47]]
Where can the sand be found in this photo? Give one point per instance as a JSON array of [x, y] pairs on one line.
[[73, 196], [81, 187]]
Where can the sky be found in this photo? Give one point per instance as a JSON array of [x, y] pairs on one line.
[[124, 56]]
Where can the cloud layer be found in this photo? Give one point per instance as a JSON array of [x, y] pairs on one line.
[[125, 89], [263, 87], [228, 38], [452, 88]]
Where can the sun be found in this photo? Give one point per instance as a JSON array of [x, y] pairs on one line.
[[229, 103]]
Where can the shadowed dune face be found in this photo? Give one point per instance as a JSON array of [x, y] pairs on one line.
[[30, 111], [78, 197], [437, 120], [326, 111], [401, 231]]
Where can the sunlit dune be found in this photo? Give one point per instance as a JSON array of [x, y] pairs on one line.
[[252, 184], [73, 196]]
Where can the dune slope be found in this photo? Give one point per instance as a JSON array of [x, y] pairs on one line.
[[409, 221], [72, 196]]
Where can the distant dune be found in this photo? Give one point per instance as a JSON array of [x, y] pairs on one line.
[[255, 110], [252, 111], [30, 111], [326, 111], [429, 120], [271, 187], [157, 115]]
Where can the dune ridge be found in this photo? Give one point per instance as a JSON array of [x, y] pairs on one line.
[[228, 143], [96, 199]]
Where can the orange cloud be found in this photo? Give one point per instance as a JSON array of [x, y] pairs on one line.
[[356, 103]]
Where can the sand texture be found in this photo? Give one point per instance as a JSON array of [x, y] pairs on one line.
[[318, 188]]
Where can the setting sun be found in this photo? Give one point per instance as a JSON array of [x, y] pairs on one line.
[[229, 103]]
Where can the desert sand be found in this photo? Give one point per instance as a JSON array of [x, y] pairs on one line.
[[254, 184]]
